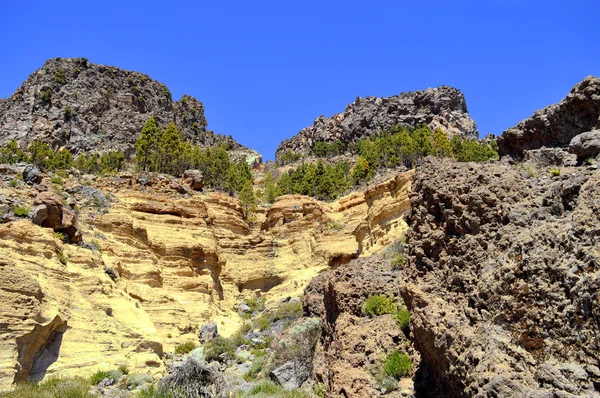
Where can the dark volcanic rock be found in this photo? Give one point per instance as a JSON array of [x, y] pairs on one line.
[[586, 145], [32, 175], [443, 107], [503, 274], [556, 125], [88, 107]]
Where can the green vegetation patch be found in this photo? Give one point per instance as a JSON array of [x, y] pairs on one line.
[[185, 348], [379, 304], [397, 365]]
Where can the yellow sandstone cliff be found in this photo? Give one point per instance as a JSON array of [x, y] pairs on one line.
[[180, 261]]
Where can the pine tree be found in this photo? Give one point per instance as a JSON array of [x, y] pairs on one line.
[[360, 171], [441, 143], [145, 144], [271, 191], [248, 199]]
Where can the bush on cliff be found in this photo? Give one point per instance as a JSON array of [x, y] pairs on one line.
[[379, 304], [397, 365]]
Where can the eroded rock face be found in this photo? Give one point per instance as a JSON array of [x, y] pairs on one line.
[[556, 125], [156, 264], [353, 347], [502, 279], [443, 107], [87, 107]]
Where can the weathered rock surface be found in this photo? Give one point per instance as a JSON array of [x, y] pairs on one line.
[[502, 279], [549, 157], [96, 108], [159, 264], [443, 107], [556, 125], [353, 347], [586, 145], [65, 319]]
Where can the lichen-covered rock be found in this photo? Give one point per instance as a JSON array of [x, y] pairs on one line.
[[443, 107], [502, 279], [557, 124]]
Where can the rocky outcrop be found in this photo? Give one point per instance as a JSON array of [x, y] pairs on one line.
[[443, 107], [353, 347], [96, 108], [502, 279], [556, 125], [65, 317]]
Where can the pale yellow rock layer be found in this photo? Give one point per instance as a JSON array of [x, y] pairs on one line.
[[181, 263]]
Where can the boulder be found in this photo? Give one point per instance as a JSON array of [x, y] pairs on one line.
[[194, 179], [548, 157], [54, 208], [208, 332], [32, 175], [288, 377], [586, 145], [38, 214]]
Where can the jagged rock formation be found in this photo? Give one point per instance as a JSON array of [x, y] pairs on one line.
[[163, 260], [96, 108], [503, 277], [443, 107], [557, 124]]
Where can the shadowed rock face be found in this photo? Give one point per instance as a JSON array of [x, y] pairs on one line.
[[502, 279], [557, 124], [443, 107], [88, 107]]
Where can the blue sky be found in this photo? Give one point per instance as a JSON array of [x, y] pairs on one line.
[[266, 69]]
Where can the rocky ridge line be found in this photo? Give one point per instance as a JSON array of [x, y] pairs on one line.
[[86, 107], [444, 107]]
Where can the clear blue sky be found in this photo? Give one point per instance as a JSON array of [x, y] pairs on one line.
[[264, 70]]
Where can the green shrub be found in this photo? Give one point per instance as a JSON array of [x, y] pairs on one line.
[[62, 258], [287, 310], [218, 346], [13, 183], [554, 172], [56, 180], [379, 304], [99, 376], [68, 112], [45, 96], [60, 236], [403, 319], [255, 303], [263, 322], [154, 392], [256, 367], [60, 76], [186, 347], [319, 390], [398, 262], [397, 365], [21, 211], [266, 388], [123, 369]]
